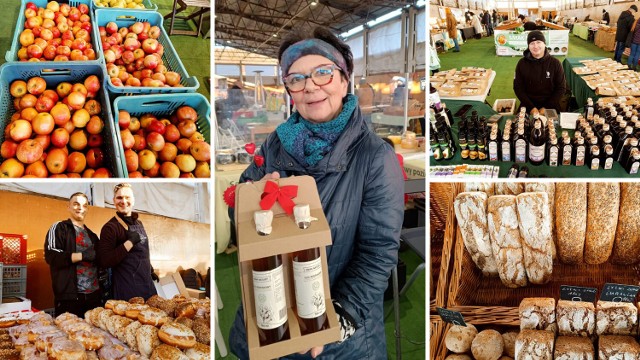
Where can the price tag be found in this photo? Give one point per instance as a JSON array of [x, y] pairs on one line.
[[619, 292], [577, 293], [452, 317]]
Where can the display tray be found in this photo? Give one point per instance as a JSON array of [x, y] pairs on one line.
[[436, 337], [441, 197], [148, 6], [441, 352]]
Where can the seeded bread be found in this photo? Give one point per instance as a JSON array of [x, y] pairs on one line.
[[571, 221], [470, 208], [533, 220], [486, 187], [626, 247], [602, 219]]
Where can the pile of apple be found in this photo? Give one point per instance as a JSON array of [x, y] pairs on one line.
[[133, 56], [58, 32], [128, 4], [54, 133], [169, 148]]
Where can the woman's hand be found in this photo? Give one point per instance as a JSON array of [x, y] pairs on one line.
[[271, 176], [314, 351]]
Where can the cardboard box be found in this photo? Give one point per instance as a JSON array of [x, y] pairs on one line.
[[13, 304], [506, 103], [285, 238], [172, 284]]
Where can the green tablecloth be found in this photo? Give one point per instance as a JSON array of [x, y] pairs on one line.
[[576, 84], [581, 31], [553, 172]]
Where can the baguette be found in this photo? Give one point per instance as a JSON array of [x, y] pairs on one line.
[[534, 218], [602, 219], [626, 247], [571, 221], [470, 209]]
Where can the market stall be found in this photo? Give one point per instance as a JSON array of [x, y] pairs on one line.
[[510, 43], [605, 38]]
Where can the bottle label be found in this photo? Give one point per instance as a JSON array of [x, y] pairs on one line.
[[580, 155], [595, 164], [270, 298], [536, 153], [521, 151], [608, 164], [553, 156], [566, 155], [437, 153], [506, 151], [307, 277], [493, 151], [634, 168]]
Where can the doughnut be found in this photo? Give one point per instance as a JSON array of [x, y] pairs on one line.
[[166, 352], [31, 353], [9, 354], [130, 335], [202, 330], [155, 300], [147, 339], [186, 309], [17, 331], [136, 356], [133, 310], [103, 318], [64, 317], [136, 300], [120, 307], [42, 317], [199, 352], [120, 324], [7, 323], [34, 331], [44, 341], [185, 321], [179, 298], [110, 303], [21, 342], [168, 306], [67, 350], [70, 326], [91, 355], [153, 316], [23, 321], [177, 335], [89, 339], [113, 351]]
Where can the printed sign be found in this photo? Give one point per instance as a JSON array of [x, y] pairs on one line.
[[451, 316], [510, 43], [619, 292], [577, 293]]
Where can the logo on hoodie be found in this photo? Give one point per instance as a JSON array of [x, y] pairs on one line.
[[548, 75]]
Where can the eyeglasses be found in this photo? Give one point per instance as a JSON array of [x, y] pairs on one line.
[[321, 75], [120, 186]]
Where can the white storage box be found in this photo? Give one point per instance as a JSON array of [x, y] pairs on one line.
[[505, 106]]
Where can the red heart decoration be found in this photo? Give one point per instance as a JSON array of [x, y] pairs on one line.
[[259, 160], [229, 196], [250, 148]]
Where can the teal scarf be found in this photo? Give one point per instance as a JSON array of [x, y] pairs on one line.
[[309, 142]]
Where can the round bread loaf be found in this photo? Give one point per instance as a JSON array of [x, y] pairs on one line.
[[200, 352], [185, 321], [120, 324], [458, 357], [155, 301], [103, 318], [147, 339], [487, 345], [64, 317], [130, 335], [459, 338], [153, 316], [509, 339], [185, 309], [133, 310], [177, 335], [120, 308], [166, 352], [113, 351]]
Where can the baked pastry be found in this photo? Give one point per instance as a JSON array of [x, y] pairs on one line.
[[67, 350], [90, 339], [571, 221], [458, 357], [93, 316], [34, 331], [626, 246], [42, 318], [177, 335], [92, 355], [509, 188], [167, 352], [31, 353], [487, 345], [459, 338], [136, 300], [9, 354], [64, 317], [185, 321], [486, 187], [185, 309], [538, 314], [470, 208], [618, 347], [550, 189], [534, 222], [153, 316], [576, 318], [7, 323], [21, 342], [574, 348], [155, 301], [113, 322], [147, 339], [74, 325], [44, 341], [506, 243], [616, 318], [168, 306], [509, 339], [198, 352], [103, 318], [120, 307], [202, 329], [130, 335], [119, 325], [602, 218], [535, 344], [133, 310], [110, 303], [113, 351]]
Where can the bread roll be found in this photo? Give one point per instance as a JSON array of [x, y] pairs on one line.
[[147, 339], [550, 189], [509, 188], [571, 221], [626, 247], [534, 218], [470, 208], [576, 318], [538, 314], [602, 219], [574, 348], [459, 338], [487, 345], [458, 357], [535, 344], [616, 318], [509, 339], [502, 220], [618, 347], [486, 187]]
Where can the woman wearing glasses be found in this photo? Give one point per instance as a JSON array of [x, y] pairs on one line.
[[360, 185]]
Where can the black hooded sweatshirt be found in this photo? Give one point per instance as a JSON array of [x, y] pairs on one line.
[[539, 82]]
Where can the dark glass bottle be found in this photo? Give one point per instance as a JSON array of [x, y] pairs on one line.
[[607, 154], [494, 148], [435, 146], [624, 140], [567, 151], [633, 163], [462, 141], [505, 147], [524, 172], [580, 152], [553, 152], [626, 151], [270, 300], [537, 144], [482, 148], [309, 288], [520, 145], [473, 145], [513, 172], [594, 160]]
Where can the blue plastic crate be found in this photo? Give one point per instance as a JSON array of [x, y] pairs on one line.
[[170, 56], [161, 105], [55, 73], [14, 272], [12, 54], [148, 6], [14, 287]]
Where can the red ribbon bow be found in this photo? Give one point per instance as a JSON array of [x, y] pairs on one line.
[[283, 195]]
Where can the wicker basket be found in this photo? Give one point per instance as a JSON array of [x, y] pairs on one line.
[[437, 349], [441, 352]]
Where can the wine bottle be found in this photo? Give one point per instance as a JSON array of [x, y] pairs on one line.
[[520, 147], [270, 300], [536, 145], [552, 157], [580, 152]]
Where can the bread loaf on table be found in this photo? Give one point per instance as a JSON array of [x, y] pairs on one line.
[[616, 318], [576, 318], [459, 338], [602, 219], [471, 212], [533, 220], [509, 188], [486, 187], [487, 345], [502, 220], [538, 314], [571, 221], [618, 347], [535, 345], [626, 247], [574, 348], [550, 189]]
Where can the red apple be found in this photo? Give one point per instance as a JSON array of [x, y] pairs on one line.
[[95, 158], [8, 149], [169, 170], [29, 151], [155, 141], [56, 161], [76, 162], [131, 159], [37, 169], [11, 168], [59, 137], [200, 150]]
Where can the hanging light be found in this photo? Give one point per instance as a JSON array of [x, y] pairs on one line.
[[314, 3]]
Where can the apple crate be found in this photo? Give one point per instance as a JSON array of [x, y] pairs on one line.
[[169, 57], [12, 54], [54, 74], [161, 105], [148, 6]]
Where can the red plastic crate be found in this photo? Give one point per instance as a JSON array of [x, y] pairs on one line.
[[13, 249]]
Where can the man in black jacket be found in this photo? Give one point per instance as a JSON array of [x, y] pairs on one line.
[[605, 17], [539, 81], [486, 21], [625, 21], [69, 249]]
